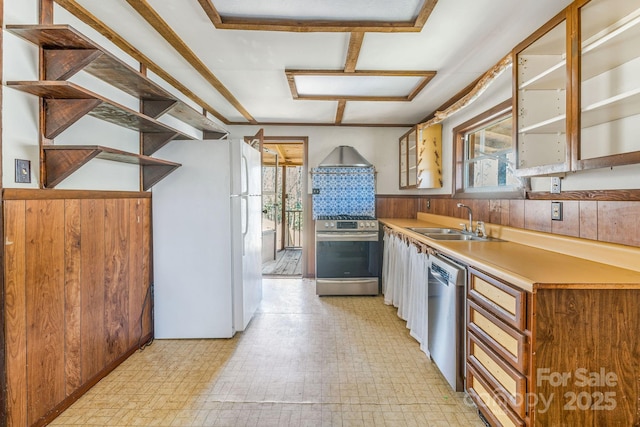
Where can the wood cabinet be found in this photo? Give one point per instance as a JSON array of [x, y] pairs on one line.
[[577, 90], [408, 158], [420, 157], [66, 52], [560, 355], [497, 349]]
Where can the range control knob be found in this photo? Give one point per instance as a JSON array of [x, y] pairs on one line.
[[326, 225]]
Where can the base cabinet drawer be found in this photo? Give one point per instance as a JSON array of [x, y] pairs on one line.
[[501, 299], [509, 384], [491, 406], [509, 343]]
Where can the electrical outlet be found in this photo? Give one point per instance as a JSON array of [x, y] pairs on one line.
[[23, 171], [315, 191], [556, 211], [555, 184]]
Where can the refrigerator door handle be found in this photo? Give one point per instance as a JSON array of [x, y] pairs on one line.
[[245, 170], [245, 223]]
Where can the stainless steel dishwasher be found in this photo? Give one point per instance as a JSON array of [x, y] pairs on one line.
[[446, 318]]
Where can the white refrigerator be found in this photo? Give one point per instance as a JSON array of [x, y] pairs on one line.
[[207, 240]]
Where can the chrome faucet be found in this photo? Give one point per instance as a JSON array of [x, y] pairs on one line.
[[460, 205]]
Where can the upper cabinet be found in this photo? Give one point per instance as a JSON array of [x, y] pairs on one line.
[[609, 76], [577, 90], [420, 154], [541, 100], [408, 169]]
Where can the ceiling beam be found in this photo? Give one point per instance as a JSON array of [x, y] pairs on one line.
[[211, 12], [153, 18], [314, 25], [353, 52], [425, 12], [85, 16], [425, 75], [340, 111], [370, 125]]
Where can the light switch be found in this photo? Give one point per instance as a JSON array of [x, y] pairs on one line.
[[23, 171], [555, 185], [556, 211]]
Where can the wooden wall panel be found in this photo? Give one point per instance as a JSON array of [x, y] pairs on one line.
[[147, 267], [570, 224], [116, 279], [516, 213], [77, 272], [15, 312], [45, 306], [589, 219], [442, 207], [92, 287], [136, 268], [396, 207], [537, 215], [73, 358], [608, 221], [619, 222]]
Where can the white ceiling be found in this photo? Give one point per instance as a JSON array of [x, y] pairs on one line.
[[461, 40]]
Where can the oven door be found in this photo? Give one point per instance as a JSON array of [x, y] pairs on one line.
[[347, 255]]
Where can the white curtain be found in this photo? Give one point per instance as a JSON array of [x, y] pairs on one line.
[[405, 272]]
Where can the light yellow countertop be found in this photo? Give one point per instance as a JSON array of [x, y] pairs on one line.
[[525, 266]]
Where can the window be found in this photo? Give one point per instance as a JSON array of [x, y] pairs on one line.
[[485, 154]]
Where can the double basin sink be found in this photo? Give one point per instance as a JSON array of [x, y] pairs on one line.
[[450, 234]]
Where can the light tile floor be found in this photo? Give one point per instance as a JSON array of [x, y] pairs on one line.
[[303, 361]]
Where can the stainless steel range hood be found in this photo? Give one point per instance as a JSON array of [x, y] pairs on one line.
[[344, 156]]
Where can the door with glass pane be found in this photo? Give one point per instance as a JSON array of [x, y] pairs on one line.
[[271, 217]]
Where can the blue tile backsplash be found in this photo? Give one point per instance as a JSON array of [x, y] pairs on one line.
[[343, 191]]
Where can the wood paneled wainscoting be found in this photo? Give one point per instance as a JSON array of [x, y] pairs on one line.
[[77, 285], [612, 216]]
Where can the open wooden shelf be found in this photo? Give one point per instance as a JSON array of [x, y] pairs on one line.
[[556, 124], [613, 46], [608, 49], [66, 103], [63, 160], [66, 51], [617, 107], [553, 77]]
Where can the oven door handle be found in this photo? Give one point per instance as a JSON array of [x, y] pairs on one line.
[[346, 237]]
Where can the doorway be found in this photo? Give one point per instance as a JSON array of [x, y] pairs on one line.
[[284, 190]]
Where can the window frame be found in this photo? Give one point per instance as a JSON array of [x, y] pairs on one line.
[[499, 112]]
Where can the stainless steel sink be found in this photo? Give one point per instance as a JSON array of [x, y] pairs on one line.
[[451, 234], [457, 236], [434, 230]]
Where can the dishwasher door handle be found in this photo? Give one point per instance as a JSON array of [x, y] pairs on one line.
[[439, 277]]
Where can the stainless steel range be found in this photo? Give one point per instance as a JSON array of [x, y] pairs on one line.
[[347, 255]]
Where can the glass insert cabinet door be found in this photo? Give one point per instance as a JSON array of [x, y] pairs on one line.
[[609, 84], [541, 102]]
